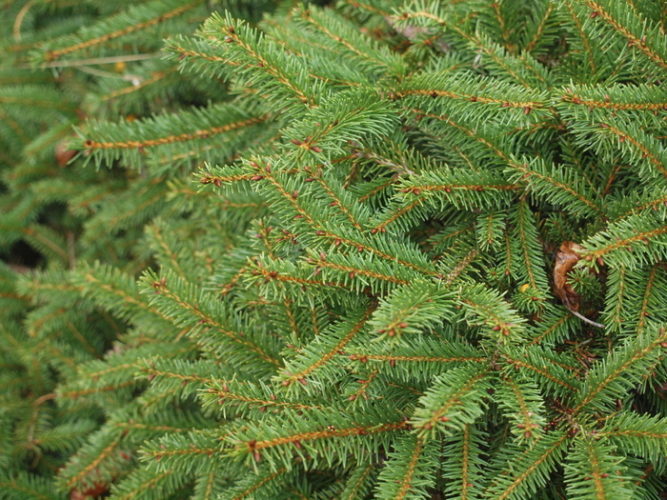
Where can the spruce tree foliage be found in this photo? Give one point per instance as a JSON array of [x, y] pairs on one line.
[[62, 63], [345, 221]]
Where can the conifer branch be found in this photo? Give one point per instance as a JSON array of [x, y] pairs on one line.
[[622, 366], [624, 29], [530, 470], [189, 314], [198, 134], [382, 189], [174, 10], [324, 434], [321, 358]]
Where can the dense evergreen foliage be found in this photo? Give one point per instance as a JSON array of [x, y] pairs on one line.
[[382, 249]]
